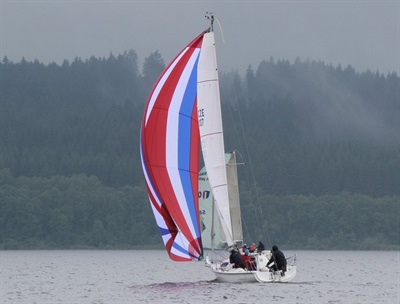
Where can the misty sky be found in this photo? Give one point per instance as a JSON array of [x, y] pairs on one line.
[[363, 34]]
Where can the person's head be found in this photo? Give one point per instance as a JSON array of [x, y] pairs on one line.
[[231, 249], [274, 248], [246, 252]]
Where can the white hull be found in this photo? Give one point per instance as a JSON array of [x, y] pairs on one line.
[[233, 275], [265, 276], [225, 273], [238, 275]]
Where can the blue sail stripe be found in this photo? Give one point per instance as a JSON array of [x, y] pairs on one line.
[[179, 141], [185, 127]]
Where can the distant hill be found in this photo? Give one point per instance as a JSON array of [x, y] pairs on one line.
[[320, 144], [310, 128]]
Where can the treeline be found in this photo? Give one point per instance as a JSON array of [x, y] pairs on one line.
[[313, 129], [72, 212], [329, 222], [309, 128], [81, 117], [79, 212], [307, 131]]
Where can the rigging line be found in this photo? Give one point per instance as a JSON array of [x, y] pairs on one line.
[[265, 231], [220, 28], [255, 220], [236, 100], [255, 223]]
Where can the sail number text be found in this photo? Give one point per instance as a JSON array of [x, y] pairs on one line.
[[200, 113]]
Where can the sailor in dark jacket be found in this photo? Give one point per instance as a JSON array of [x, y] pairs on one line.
[[279, 260], [236, 259], [260, 246]]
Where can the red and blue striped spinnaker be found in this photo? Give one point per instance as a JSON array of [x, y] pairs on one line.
[[169, 147]]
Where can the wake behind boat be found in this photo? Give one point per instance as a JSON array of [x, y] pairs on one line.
[[183, 110]]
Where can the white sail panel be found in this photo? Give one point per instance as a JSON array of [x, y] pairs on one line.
[[211, 131], [212, 235], [234, 201]]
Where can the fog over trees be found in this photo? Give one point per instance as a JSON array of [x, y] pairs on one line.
[[320, 143]]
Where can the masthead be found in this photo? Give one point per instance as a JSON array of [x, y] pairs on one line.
[[210, 16]]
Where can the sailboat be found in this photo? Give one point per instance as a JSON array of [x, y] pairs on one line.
[[183, 111]]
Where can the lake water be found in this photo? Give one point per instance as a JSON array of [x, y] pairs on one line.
[[138, 276]]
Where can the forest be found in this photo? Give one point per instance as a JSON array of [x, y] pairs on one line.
[[320, 144]]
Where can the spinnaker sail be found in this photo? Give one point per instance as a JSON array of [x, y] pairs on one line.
[[169, 147]]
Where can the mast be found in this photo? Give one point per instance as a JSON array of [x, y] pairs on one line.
[[212, 225], [210, 16]]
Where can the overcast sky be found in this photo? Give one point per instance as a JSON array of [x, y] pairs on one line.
[[363, 34]]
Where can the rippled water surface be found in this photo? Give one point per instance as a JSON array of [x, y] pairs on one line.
[[139, 276]]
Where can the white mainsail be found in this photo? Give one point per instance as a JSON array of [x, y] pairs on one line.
[[211, 131]]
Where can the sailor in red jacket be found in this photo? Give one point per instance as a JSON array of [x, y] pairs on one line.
[[248, 260]]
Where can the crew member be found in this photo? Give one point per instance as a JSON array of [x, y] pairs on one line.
[[236, 259], [278, 259]]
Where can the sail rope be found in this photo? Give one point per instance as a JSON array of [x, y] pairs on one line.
[[264, 221], [255, 221], [220, 28]]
